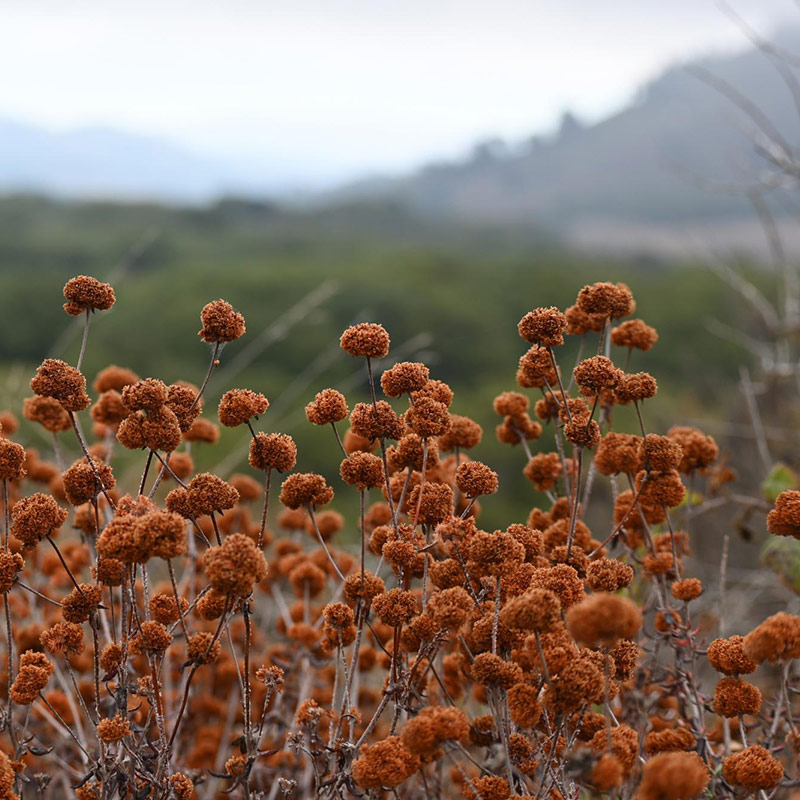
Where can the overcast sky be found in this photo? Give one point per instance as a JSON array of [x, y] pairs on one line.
[[337, 87]]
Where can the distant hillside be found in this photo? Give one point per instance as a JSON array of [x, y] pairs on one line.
[[108, 163], [640, 166]]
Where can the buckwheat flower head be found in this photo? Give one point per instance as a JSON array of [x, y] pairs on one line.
[[237, 406], [62, 382], [221, 323], [603, 618], [81, 483], [784, 519], [79, 604], [84, 293], [387, 763], [202, 430], [450, 607], [428, 417], [63, 638], [114, 377], [34, 517], [543, 326], [634, 333], [673, 776], [533, 610], [606, 299], [113, 729], [754, 769], [12, 460], [34, 673], [404, 378], [362, 470], [10, 565], [687, 589], [304, 489], [208, 493], [436, 504], [775, 639], [464, 434], [700, 451], [184, 400], [273, 451], [48, 412], [108, 410], [328, 406], [161, 429], [235, 566], [378, 421], [536, 370], [202, 649], [543, 470], [475, 479], [432, 726], [733, 697], [395, 607], [635, 387], [435, 390], [366, 340], [595, 374]]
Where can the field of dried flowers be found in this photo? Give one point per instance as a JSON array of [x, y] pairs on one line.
[[163, 641]]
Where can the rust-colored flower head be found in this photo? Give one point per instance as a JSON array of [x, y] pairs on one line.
[[700, 451], [595, 374], [113, 729], [108, 410], [238, 406], [48, 412], [62, 382], [432, 726], [635, 387], [12, 460], [618, 452], [728, 656], [273, 451], [327, 407], [362, 470], [404, 378], [305, 489], [435, 390], [673, 776], [464, 434], [543, 326], [603, 618], [428, 417], [34, 673], [607, 300], [366, 340], [79, 604], [184, 400], [63, 638], [775, 639], [84, 481], [209, 493], [161, 429], [475, 479], [435, 506], [534, 610], [784, 519], [385, 764], [10, 565], [235, 566], [753, 769], [733, 697], [378, 421], [148, 394], [114, 377], [634, 333], [536, 369], [580, 323], [221, 323], [202, 649], [84, 293], [202, 430], [608, 575], [543, 470], [450, 607], [365, 588], [395, 607]]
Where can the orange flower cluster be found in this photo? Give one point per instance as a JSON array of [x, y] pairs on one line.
[[187, 639]]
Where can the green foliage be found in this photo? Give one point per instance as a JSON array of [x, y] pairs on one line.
[[781, 554], [780, 479]]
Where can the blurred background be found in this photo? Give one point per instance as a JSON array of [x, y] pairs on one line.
[[441, 167]]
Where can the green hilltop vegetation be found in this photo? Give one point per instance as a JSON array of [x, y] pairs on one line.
[[449, 296]]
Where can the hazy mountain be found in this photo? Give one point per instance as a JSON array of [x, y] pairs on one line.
[[650, 164], [103, 162]]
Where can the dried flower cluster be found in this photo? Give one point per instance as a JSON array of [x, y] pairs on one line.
[[166, 643]]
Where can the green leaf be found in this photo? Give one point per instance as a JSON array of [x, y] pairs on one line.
[[781, 554], [780, 479]]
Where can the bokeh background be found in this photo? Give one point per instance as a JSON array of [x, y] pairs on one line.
[[440, 167]]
